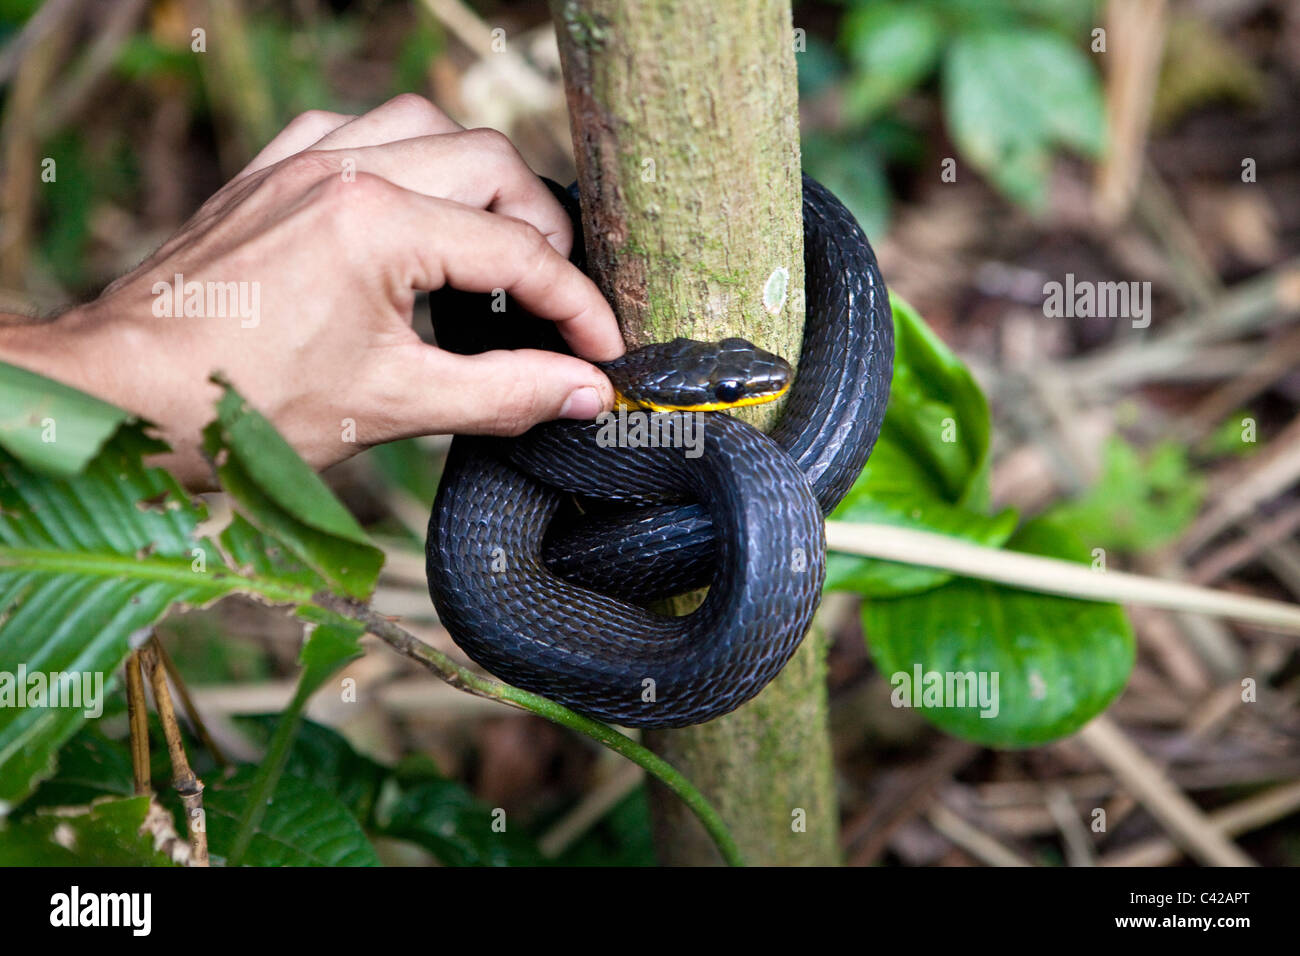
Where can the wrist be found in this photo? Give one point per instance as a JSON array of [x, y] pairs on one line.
[[97, 349]]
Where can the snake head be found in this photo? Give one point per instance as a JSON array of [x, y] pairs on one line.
[[691, 376]]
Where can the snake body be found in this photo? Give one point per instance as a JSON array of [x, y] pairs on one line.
[[549, 597]]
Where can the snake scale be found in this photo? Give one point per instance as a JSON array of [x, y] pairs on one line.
[[543, 549]]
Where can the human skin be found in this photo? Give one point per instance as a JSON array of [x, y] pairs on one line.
[[339, 222]]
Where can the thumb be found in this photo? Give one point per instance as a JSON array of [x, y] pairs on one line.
[[499, 392]]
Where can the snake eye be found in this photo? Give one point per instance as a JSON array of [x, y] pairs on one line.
[[728, 391]]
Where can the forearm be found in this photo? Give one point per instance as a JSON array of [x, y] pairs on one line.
[[117, 362]]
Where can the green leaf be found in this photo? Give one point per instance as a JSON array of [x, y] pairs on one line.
[[414, 803], [85, 563], [937, 411], [332, 643], [105, 833], [1010, 97], [50, 427], [90, 766], [1236, 436], [1057, 662], [930, 467], [281, 496], [91, 560], [322, 756], [448, 821], [302, 824], [893, 47], [1140, 502]]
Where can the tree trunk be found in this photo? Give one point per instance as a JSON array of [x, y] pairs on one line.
[[686, 134]]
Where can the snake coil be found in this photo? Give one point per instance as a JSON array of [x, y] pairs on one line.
[[549, 596]]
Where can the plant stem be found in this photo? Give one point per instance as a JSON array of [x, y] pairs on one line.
[[1053, 576], [464, 679], [138, 720], [184, 779]]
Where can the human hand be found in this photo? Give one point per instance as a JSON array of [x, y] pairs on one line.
[[326, 237]]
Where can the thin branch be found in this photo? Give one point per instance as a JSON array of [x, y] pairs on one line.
[[184, 779], [1052, 576], [972, 839], [1147, 782], [137, 717], [187, 702], [1253, 812], [464, 679]]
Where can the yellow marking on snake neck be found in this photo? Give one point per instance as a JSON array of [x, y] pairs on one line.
[[621, 399]]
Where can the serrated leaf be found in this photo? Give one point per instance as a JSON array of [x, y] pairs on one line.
[[303, 825], [90, 766], [90, 560], [86, 562], [50, 427], [1058, 662]]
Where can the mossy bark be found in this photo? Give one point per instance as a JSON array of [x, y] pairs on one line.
[[685, 129]]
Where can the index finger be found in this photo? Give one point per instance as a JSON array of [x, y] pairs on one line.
[[447, 243]]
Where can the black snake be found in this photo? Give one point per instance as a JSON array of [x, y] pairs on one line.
[[543, 549]]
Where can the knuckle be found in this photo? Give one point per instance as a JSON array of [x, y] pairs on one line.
[[530, 241], [316, 123], [417, 110], [493, 142], [344, 199]]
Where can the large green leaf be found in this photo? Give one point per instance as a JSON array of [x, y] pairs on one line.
[[303, 824], [50, 427], [447, 820], [930, 468], [323, 757], [87, 562], [1057, 662], [1011, 96], [90, 560]]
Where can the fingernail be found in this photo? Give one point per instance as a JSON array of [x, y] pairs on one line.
[[582, 403]]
